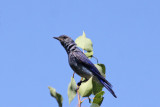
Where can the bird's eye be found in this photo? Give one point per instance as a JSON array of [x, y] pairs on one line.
[[64, 37]]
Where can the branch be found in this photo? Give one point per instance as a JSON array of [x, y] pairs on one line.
[[79, 100], [86, 99]]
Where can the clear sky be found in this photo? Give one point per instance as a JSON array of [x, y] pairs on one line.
[[125, 36]]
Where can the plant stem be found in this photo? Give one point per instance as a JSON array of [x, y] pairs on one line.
[[96, 59], [86, 99], [79, 100]]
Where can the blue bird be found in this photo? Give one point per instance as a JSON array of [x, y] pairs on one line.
[[80, 64]]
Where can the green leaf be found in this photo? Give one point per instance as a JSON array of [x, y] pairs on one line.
[[97, 87], [98, 98], [89, 54], [56, 95], [94, 105], [84, 43], [101, 68], [85, 89], [72, 89]]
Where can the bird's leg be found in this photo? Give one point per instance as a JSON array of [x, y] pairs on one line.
[[73, 74]]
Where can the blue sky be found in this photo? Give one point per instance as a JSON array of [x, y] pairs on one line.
[[125, 36]]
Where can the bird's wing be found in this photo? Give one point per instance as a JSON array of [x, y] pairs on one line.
[[81, 57]]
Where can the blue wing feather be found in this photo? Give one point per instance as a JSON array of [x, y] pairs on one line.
[[81, 57], [89, 65]]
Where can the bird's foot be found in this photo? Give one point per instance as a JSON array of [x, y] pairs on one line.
[[80, 82]]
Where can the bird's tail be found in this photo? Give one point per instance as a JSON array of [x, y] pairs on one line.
[[108, 87]]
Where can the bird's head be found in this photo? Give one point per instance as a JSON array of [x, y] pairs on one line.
[[65, 40]]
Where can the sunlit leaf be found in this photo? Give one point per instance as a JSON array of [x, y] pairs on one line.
[[84, 43], [85, 89], [56, 95], [72, 90], [101, 68], [89, 54]]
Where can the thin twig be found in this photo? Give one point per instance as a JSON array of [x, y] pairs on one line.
[[86, 99], [79, 100], [95, 58]]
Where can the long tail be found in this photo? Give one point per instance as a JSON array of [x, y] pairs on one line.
[[107, 86]]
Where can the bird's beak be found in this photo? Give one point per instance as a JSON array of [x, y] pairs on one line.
[[56, 38]]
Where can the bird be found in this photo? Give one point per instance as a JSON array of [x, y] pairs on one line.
[[80, 64]]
